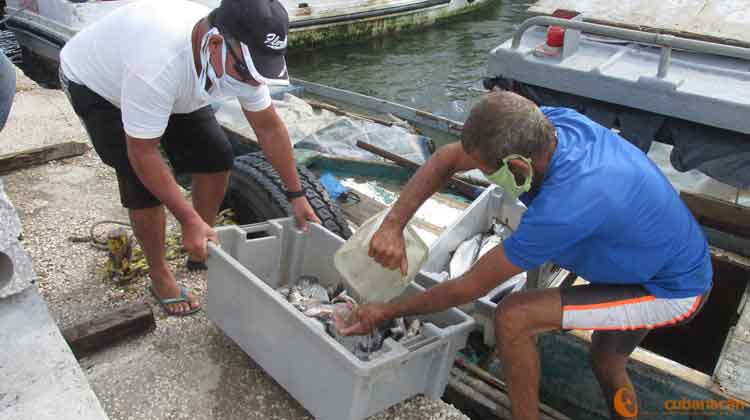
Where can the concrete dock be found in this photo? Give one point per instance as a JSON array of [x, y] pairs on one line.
[[186, 368]]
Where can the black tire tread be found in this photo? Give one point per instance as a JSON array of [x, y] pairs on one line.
[[256, 186]]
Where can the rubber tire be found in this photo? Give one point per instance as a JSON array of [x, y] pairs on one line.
[[256, 193]]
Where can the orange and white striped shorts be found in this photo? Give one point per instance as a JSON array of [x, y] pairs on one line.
[[622, 315]]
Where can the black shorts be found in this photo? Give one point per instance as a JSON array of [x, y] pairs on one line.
[[193, 143], [622, 315]]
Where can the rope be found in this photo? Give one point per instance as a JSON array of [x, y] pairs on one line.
[[126, 261], [98, 242]]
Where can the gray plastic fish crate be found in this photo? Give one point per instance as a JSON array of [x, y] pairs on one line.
[[478, 217], [329, 381]]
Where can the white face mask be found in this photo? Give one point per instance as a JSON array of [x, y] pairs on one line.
[[225, 86]]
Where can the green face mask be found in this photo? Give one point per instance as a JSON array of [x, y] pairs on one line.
[[505, 179]]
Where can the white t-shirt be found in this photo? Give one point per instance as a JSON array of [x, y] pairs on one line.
[[140, 58]]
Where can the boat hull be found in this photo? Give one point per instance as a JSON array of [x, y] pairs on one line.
[[43, 28]]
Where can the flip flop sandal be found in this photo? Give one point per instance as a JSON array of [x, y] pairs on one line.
[[168, 301], [195, 265]]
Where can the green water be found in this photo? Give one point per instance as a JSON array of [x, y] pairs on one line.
[[437, 69]]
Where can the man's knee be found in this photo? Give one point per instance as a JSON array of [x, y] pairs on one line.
[[528, 313], [511, 318]]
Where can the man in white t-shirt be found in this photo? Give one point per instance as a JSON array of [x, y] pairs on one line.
[[146, 75]]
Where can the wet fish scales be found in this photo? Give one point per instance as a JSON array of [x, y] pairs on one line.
[[465, 255]]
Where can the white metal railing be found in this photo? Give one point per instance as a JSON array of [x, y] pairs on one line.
[[666, 42]]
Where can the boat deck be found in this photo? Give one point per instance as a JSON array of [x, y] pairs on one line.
[[724, 21], [702, 87]]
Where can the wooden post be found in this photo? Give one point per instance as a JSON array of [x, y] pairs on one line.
[[102, 331], [31, 157]]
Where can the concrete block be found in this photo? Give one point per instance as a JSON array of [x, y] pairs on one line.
[[16, 273], [40, 377]]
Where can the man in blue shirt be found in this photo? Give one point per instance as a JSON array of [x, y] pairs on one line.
[[596, 206]]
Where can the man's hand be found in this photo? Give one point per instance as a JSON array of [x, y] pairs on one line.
[[195, 235], [387, 247], [364, 319], [303, 213]]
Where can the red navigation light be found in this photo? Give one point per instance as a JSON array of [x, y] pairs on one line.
[[555, 36]]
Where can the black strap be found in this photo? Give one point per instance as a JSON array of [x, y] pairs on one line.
[[294, 194]]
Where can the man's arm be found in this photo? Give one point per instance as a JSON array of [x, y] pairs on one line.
[[148, 164], [274, 140], [430, 178], [387, 245], [489, 271]]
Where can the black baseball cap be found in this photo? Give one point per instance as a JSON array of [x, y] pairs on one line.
[[261, 27]]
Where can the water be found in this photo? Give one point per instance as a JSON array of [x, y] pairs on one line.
[[437, 69]]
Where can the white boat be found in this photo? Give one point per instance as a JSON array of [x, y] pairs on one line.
[[43, 26]]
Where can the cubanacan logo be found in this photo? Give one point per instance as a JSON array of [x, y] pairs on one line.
[[625, 406]]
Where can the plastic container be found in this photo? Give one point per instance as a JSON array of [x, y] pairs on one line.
[[484, 308], [330, 382], [371, 281], [478, 217]]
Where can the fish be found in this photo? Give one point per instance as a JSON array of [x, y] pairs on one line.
[[371, 343], [335, 290], [306, 294], [362, 347], [488, 243], [322, 311], [312, 289], [414, 328], [306, 280], [284, 291], [296, 298], [320, 304], [465, 255], [501, 229], [316, 292], [343, 297], [397, 329]]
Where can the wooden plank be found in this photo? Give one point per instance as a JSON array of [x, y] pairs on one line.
[[719, 21], [463, 187], [718, 214], [733, 367], [358, 212], [494, 388], [472, 403], [104, 330], [732, 243], [37, 156], [730, 257]]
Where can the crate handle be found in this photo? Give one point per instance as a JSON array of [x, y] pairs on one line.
[[262, 228], [416, 345]]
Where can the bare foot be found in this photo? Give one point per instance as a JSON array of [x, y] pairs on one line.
[[165, 287]]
